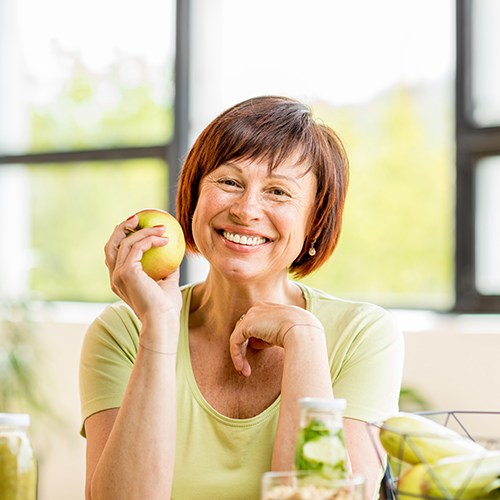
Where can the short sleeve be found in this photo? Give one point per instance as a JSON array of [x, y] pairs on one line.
[[108, 353], [372, 368]]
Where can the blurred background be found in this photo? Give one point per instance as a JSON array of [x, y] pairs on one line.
[[99, 102]]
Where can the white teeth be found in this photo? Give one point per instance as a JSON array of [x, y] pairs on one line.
[[244, 240]]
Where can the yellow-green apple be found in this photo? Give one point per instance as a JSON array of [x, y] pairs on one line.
[[159, 262]]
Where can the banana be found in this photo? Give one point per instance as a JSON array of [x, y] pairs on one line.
[[494, 494], [414, 439], [463, 477], [410, 481]]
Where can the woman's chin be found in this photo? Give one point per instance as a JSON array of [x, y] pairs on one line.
[[243, 272]]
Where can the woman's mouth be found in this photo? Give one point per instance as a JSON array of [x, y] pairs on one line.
[[243, 239]]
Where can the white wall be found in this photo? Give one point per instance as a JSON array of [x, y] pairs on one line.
[[453, 362], [60, 448], [457, 367]]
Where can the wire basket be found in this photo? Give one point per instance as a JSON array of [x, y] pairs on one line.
[[482, 427]]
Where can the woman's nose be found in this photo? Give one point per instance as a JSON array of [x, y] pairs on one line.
[[247, 207]]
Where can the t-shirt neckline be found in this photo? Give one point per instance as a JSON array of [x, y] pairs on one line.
[[191, 381]]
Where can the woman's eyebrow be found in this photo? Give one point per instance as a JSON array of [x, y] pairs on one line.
[[232, 165], [272, 173], [285, 177]]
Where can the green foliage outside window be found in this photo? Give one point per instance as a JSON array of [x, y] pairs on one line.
[[74, 211], [396, 244], [118, 107], [75, 206]]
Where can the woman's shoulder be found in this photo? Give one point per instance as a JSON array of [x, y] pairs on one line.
[[117, 324], [351, 315], [318, 300], [116, 313], [118, 319], [120, 312], [355, 323]]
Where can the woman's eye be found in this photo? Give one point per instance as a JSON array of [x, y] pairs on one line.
[[228, 182], [278, 192]]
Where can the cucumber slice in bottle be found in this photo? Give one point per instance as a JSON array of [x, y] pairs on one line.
[[326, 450]]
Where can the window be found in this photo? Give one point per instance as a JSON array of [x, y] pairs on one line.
[[477, 271], [95, 122], [364, 68], [87, 135]]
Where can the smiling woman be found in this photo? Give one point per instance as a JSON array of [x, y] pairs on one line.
[[261, 195], [268, 210], [366, 70], [249, 131], [77, 103]]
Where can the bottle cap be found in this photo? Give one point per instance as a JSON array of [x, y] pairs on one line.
[[323, 403], [15, 419]]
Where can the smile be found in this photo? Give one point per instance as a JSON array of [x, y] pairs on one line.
[[251, 241]]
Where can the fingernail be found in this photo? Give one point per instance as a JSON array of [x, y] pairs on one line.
[[131, 217]]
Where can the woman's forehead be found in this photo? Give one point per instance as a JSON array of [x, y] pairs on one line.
[[288, 167], [296, 161]]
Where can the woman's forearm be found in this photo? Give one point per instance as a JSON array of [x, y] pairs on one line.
[[138, 458], [306, 373]]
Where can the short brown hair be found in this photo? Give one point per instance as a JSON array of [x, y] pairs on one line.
[[272, 128]]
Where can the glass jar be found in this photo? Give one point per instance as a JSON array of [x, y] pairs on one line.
[[320, 442], [18, 471]]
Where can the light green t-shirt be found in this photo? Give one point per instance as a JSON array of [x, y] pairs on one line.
[[221, 458]]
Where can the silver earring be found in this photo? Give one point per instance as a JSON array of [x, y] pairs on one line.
[[312, 250]]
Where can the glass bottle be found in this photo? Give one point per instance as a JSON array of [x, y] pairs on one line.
[[18, 471], [320, 443]]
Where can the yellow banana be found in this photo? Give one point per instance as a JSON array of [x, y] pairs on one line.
[[414, 438], [462, 478], [494, 494], [410, 482]]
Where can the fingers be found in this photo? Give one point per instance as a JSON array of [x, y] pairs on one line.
[[120, 232], [238, 345], [266, 325], [249, 331], [258, 344], [132, 248], [242, 338], [125, 249]]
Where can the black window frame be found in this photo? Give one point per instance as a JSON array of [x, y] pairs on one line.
[[170, 152], [473, 143]]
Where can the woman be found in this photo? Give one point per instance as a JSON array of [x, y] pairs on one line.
[[191, 393]]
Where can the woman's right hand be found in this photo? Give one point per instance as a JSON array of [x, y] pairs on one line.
[[123, 253], [150, 396]]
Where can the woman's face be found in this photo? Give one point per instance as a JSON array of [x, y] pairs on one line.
[[250, 222]]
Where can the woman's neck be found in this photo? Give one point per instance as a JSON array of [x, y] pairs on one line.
[[218, 303]]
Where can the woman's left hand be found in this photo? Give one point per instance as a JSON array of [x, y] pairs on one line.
[[267, 324]]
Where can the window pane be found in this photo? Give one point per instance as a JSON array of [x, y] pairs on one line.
[[388, 91], [85, 74], [487, 226], [15, 253], [485, 68], [67, 214]]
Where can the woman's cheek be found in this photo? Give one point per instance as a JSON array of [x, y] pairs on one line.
[[206, 209]]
